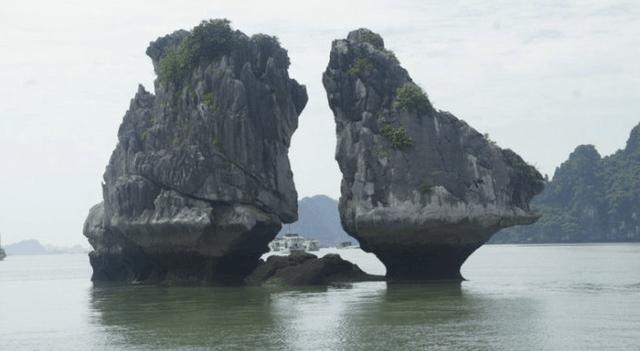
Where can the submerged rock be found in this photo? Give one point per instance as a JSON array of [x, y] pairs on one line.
[[200, 180], [421, 189], [301, 269]]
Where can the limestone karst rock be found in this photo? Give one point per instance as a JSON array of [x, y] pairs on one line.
[[421, 189], [200, 180]]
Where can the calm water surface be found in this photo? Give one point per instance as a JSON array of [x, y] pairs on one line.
[[548, 297]]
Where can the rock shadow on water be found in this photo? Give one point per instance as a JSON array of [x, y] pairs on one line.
[[246, 318], [445, 315], [182, 317]]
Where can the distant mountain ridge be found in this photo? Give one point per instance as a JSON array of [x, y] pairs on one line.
[[318, 218], [34, 247], [590, 199]]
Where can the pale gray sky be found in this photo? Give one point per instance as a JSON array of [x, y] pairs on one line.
[[540, 77]]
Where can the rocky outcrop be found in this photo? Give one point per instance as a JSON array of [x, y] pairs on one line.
[[200, 180], [300, 269], [421, 189]]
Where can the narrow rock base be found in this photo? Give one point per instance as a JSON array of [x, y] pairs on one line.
[[438, 262]]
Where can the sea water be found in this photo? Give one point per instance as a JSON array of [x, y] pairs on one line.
[[516, 297]]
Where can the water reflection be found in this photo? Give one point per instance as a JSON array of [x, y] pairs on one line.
[[443, 316], [324, 321], [358, 317], [172, 317]]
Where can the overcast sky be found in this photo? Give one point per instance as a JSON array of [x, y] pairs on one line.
[[541, 77]]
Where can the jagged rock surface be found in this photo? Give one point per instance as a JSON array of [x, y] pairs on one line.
[[302, 269], [200, 180], [421, 189]]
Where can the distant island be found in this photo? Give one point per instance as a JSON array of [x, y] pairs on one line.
[[590, 199], [318, 218], [34, 247]]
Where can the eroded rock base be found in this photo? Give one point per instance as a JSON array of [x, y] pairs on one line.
[[438, 262], [175, 268]]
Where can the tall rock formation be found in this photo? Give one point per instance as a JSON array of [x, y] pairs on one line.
[[421, 189], [590, 199], [200, 180]]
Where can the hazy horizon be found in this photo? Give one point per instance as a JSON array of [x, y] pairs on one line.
[[540, 78]]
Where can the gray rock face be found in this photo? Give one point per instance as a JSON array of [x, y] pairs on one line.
[[303, 269], [200, 180], [421, 189]]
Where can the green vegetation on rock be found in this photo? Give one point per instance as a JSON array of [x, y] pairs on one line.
[[397, 136], [390, 53], [361, 67], [527, 178], [426, 186], [209, 101], [381, 152], [411, 98], [172, 66], [372, 38], [217, 143], [208, 40]]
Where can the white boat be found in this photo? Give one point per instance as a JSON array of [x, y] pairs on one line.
[[292, 243], [276, 245], [347, 245], [312, 245]]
